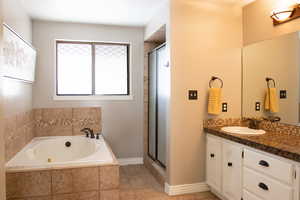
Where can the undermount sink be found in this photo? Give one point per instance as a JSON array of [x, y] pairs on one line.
[[242, 130]]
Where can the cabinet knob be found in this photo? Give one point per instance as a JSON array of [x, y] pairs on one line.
[[263, 186], [264, 163], [229, 164], [212, 155]]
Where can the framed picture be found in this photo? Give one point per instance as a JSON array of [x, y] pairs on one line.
[[19, 56]]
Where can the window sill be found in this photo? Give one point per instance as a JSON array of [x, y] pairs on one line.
[[93, 98]]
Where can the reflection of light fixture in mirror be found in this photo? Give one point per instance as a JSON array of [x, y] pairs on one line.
[[280, 16]]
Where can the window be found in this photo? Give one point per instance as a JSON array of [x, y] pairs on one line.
[[92, 69]]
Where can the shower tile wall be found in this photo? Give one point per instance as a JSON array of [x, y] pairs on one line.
[[20, 129]]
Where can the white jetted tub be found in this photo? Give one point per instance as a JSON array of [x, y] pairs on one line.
[[61, 152]]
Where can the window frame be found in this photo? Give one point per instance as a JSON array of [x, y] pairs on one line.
[[93, 95]]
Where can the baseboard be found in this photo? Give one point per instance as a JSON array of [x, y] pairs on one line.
[[131, 161], [217, 194], [185, 189]]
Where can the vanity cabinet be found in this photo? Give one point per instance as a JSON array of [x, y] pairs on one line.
[[232, 171], [213, 163], [236, 172], [265, 187]]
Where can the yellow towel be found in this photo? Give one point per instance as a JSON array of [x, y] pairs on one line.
[[271, 100], [214, 101]]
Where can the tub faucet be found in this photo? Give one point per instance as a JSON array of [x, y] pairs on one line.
[[88, 132]]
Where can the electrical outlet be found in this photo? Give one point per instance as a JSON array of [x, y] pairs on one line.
[[283, 94], [257, 106], [224, 107], [193, 94]]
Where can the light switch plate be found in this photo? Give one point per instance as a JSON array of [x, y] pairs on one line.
[[283, 94], [257, 106], [224, 107], [193, 94]]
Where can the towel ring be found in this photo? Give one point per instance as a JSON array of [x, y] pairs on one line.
[[268, 82], [213, 78]]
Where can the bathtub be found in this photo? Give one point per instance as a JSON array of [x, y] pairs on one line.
[[58, 152]]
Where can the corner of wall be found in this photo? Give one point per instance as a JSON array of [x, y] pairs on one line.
[[157, 21]]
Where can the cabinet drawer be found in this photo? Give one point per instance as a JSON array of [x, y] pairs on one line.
[[249, 196], [278, 169], [264, 187]]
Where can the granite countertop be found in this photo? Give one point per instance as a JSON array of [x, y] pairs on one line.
[[280, 144]]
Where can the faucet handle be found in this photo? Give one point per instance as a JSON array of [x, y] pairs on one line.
[[87, 134], [92, 134], [98, 136], [273, 118]]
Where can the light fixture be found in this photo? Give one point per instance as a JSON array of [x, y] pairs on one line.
[[283, 15]]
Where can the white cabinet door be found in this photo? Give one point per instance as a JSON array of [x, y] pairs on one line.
[[297, 183], [232, 171], [213, 163]]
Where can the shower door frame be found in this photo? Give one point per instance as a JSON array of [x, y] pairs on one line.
[[156, 108]]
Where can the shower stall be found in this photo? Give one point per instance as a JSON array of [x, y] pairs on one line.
[[159, 92]]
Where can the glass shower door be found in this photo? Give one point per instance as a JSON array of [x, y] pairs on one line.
[[163, 93], [152, 139], [159, 92]]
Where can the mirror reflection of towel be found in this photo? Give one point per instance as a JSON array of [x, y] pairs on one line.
[[271, 100], [214, 101]]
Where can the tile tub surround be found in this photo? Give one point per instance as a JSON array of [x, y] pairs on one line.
[[90, 183], [18, 131], [66, 121]]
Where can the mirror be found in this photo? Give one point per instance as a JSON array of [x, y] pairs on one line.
[[277, 59]]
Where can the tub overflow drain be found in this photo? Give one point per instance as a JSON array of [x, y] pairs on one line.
[[68, 144]]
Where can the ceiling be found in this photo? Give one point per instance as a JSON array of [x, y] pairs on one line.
[[112, 12]]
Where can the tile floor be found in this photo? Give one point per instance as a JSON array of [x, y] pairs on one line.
[[136, 183]]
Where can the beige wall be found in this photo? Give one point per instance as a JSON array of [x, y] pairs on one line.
[[2, 145], [122, 120], [17, 95], [206, 40], [257, 24], [259, 63]]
